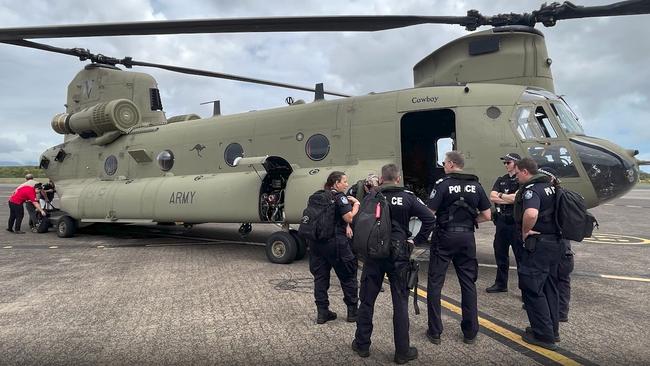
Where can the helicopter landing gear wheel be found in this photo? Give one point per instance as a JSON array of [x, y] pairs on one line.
[[281, 247], [245, 228], [66, 227], [301, 244]]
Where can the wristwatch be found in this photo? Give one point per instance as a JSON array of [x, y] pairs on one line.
[[500, 195]]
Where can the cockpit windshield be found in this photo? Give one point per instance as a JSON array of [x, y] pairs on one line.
[[568, 121]]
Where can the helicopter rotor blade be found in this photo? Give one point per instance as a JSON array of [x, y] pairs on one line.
[[642, 162], [219, 75], [128, 62], [549, 14], [234, 25]]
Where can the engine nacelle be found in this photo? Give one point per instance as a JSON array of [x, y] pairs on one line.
[[116, 115]]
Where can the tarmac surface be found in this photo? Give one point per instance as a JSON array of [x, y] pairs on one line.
[[159, 295]]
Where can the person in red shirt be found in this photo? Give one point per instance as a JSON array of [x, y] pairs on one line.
[[22, 194]]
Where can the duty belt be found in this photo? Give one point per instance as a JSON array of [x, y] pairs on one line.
[[554, 235], [458, 229]]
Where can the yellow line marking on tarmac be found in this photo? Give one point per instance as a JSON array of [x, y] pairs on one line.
[[551, 355], [625, 278]]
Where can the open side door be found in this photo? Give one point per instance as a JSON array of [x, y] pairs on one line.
[[274, 183]]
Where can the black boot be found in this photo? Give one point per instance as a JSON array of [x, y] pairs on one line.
[[325, 315], [556, 337], [361, 352], [352, 313], [411, 355]]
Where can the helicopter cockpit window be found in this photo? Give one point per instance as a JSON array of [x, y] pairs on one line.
[[110, 165], [233, 151], [545, 123], [165, 160], [317, 147], [554, 156], [568, 120], [527, 128]]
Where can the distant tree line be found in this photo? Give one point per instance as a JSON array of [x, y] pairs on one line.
[[644, 176], [20, 171]]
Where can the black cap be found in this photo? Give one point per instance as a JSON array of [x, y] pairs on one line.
[[549, 171], [511, 156]]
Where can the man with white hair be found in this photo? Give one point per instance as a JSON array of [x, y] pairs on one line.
[[24, 193]]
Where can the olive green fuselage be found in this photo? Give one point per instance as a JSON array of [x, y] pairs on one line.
[[364, 134]]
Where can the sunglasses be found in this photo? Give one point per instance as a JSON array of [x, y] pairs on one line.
[[507, 162]]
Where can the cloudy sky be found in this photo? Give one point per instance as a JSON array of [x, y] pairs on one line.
[[600, 65]]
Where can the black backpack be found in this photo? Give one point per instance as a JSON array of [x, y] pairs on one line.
[[372, 228], [571, 215], [319, 218]]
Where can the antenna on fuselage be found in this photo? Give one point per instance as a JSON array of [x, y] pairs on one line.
[[216, 107]]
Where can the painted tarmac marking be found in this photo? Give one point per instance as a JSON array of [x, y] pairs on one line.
[[588, 274], [621, 205], [53, 247], [612, 277], [508, 334], [7, 247], [626, 278], [501, 331], [608, 238]]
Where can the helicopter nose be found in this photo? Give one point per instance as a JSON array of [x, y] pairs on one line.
[[611, 169]]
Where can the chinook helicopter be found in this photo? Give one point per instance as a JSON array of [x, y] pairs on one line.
[[487, 94]]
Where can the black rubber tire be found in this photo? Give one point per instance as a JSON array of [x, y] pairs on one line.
[[301, 245], [281, 247], [42, 224], [66, 227]]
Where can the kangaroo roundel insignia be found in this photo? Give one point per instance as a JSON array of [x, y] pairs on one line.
[[528, 194]]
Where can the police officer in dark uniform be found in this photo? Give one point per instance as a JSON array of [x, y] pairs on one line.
[[460, 203], [543, 247], [403, 206], [336, 253], [503, 196], [565, 267]]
